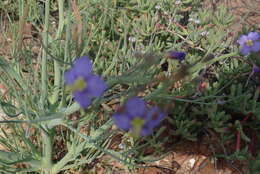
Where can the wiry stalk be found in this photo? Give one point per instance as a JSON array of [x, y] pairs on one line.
[[44, 76], [46, 137], [57, 67]]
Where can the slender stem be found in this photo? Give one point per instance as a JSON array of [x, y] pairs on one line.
[[74, 151], [47, 139], [44, 76], [61, 19], [57, 68], [238, 142], [19, 36], [47, 152], [57, 81], [66, 51], [71, 109], [68, 37], [59, 115], [59, 166], [201, 65], [11, 156], [116, 155]]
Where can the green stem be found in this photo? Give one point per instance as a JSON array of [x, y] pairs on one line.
[[18, 50], [59, 166], [57, 82], [91, 142], [15, 157], [57, 68], [61, 19], [66, 51], [48, 118], [44, 76], [71, 109], [47, 152], [73, 152], [201, 65]]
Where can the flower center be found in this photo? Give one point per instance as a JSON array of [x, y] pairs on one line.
[[79, 85], [137, 124], [249, 43]]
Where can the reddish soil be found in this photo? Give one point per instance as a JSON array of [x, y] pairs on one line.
[[246, 12]]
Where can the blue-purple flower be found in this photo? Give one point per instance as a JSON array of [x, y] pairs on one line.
[[136, 117], [255, 69], [249, 43], [84, 85], [178, 55]]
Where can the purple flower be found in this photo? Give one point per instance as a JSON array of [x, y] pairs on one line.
[[136, 117], [255, 69], [249, 43], [84, 85], [178, 55]]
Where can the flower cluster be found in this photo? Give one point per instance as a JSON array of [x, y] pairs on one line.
[[84, 85], [136, 117], [249, 43]]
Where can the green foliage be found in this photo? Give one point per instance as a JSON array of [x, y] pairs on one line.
[[254, 166], [43, 129]]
